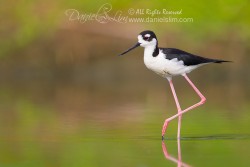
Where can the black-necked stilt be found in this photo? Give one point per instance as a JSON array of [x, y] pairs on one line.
[[169, 62]]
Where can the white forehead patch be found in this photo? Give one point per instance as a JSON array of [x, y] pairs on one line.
[[147, 35]]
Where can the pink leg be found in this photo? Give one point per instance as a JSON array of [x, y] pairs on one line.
[[203, 99], [178, 108], [179, 150]]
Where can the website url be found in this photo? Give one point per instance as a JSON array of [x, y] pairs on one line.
[[160, 20]]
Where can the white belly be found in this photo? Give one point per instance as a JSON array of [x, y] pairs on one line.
[[164, 67]]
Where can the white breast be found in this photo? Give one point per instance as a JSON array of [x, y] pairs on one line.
[[164, 67]]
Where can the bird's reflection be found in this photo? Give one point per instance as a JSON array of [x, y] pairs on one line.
[[178, 160]]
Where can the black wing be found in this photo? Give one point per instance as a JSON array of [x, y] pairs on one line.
[[187, 58]]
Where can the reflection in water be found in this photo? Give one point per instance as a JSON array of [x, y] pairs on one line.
[[178, 160], [223, 137], [219, 137]]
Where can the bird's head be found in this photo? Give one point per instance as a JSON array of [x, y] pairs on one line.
[[145, 39]]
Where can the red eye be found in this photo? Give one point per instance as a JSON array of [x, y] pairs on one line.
[[145, 38]]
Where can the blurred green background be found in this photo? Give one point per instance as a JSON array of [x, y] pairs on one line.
[[67, 99]]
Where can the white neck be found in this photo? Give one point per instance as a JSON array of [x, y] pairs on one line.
[[149, 50]]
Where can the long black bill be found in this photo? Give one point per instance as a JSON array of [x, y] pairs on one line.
[[136, 45]]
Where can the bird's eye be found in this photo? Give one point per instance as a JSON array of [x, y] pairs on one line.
[[146, 38]]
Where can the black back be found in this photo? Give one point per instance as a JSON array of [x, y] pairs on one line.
[[187, 58]]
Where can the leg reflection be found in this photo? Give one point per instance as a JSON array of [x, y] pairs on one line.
[[171, 158]]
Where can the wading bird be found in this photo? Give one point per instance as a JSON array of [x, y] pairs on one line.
[[169, 62]]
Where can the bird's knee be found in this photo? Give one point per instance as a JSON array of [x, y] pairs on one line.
[[166, 123], [203, 100]]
